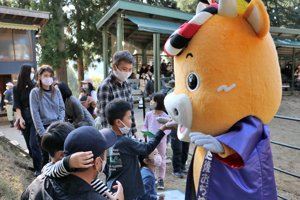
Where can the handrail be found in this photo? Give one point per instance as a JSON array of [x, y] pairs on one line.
[[285, 145], [282, 197], [286, 172], [289, 118]]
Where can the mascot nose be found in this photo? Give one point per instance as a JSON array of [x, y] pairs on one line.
[[179, 108]]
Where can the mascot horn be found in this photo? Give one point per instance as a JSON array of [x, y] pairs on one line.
[[228, 87]]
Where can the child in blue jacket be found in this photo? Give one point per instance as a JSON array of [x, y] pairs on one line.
[[148, 165]]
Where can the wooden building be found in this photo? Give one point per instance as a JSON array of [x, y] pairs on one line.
[[18, 28]]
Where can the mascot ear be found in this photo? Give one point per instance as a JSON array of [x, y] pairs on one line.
[[257, 17]]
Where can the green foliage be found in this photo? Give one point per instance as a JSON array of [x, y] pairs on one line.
[[96, 81], [282, 13], [187, 5], [25, 4], [51, 34], [83, 38], [73, 82]]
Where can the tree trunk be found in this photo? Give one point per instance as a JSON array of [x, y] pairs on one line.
[[80, 72], [61, 73], [80, 68]]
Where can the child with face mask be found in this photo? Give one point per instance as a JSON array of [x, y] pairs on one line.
[[148, 165], [123, 156], [152, 125]]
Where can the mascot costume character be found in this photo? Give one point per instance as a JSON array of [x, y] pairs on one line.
[[228, 87]]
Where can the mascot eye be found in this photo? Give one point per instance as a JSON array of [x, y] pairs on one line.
[[192, 82]]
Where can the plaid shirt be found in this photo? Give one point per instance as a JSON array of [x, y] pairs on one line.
[[111, 89]]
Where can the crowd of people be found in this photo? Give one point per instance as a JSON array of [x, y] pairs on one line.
[[146, 76], [69, 152]]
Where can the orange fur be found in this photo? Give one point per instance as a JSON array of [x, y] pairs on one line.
[[228, 51]]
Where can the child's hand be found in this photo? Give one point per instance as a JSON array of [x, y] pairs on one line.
[[81, 160], [161, 196], [118, 195]]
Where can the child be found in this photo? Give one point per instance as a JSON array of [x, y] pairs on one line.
[[87, 101], [148, 165], [152, 125], [53, 143], [122, 158]]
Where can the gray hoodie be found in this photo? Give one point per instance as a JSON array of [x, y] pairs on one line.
[[46, 110]]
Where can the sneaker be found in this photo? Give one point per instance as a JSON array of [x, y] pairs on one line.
[[160, 184], [185, 171], [31, 168], [177, 174], [37, 172]]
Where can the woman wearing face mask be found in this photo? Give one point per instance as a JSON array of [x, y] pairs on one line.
[[75, 113], [88, 84], [143, 82], [148, 164], [46, 105], [21, 104], [152, 125]]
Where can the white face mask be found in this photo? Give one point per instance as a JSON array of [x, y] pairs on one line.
[[153, 105], [85, 86], [31, 76], [125, 130], [103, 167], [47, 81], [157, 160], [122, 76]]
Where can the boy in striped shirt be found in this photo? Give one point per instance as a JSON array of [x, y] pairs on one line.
[[53, 143]]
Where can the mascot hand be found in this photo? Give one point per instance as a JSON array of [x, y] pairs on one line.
[[172, 124], [162, 120], [208, 142], [169, 122]]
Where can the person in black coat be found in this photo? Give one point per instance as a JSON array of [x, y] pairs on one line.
[[21, 105], [75, 113], [142, 71]]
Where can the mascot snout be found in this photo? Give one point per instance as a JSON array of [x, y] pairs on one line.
[[179, 107]]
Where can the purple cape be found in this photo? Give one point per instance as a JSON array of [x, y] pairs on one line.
[[246, 175]]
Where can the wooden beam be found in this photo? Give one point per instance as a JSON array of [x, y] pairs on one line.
[[148, 42], [2, 15], [13, 17], [279, 34], [132, 32], [34, 19], [127, 40], [24, 18]]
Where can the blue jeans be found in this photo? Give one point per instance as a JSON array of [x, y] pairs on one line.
[[29, 134]]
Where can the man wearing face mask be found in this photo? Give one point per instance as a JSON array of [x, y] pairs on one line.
[[9, 103], [78, 184], [116, 86]]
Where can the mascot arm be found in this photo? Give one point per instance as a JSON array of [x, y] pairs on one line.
[[240, 141]]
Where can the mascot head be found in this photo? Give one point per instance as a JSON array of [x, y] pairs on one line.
[[226, 68]]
